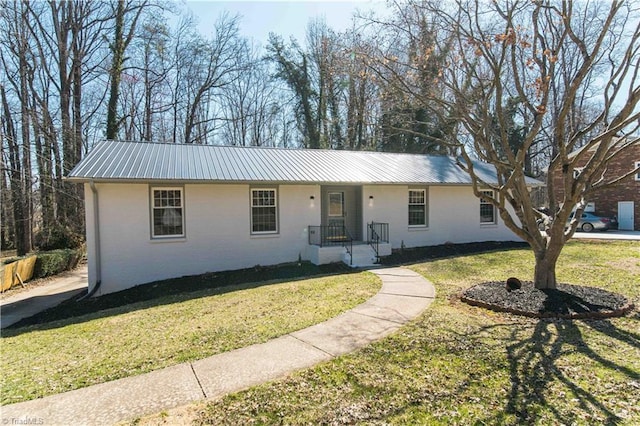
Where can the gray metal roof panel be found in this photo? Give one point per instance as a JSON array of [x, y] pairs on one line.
[[131, 161]]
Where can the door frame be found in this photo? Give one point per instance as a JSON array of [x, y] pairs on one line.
[[627, 203], [351, 206]]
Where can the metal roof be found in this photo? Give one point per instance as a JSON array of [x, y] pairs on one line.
[[146, 161]]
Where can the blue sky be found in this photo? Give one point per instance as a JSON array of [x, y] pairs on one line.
[[285, 18]]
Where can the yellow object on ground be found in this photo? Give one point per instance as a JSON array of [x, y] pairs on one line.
[[16, 271]]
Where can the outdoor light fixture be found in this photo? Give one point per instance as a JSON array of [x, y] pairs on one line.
[[312, 197], [371, 197]]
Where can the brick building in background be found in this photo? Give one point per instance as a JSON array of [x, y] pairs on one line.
[[621, 200]]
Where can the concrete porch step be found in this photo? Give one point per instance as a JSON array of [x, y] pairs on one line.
[[363, 256]]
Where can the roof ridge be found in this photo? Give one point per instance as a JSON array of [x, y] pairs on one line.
[[275, 148]]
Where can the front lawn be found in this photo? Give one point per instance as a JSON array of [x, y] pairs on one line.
[[463, 365], [135, 338]]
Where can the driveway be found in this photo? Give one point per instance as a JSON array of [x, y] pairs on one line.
[[608, 235], [37, 299]]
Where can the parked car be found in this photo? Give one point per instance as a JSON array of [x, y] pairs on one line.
[[589, 222]]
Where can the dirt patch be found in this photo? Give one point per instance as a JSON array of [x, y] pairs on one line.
[[567, 301]]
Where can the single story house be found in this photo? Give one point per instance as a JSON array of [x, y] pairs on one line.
[[157, 211], [621, 200]]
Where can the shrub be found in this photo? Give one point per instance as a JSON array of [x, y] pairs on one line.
[[58, 237], [56, 261]]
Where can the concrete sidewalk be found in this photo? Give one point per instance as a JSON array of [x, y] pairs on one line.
[[37, 299], [404, 295]]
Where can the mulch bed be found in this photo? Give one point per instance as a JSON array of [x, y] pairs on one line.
[[566, 301], [422, 254]]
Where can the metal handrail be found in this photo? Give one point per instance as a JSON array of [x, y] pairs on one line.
[[331, 235], [350, 249], [374, 241], [377, 232]]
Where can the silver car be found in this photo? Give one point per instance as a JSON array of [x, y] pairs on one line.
[[589, 222]]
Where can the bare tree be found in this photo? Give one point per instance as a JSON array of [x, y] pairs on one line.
[[19, 71], [50, 51], [249, 104], [553, 57], [214, 65], [408, 60], [121, 40]]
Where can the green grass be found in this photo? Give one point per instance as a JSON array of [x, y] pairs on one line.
[[463, 365], [127, 340]]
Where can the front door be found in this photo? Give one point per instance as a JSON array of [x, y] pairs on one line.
[[625, 215], [341, 210]]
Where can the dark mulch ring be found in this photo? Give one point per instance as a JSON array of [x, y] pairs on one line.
[[567, 301]]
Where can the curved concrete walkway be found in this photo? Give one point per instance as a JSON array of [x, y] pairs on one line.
[[403, 296]]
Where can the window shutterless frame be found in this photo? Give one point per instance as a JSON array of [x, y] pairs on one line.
[[264, 211], [418, 208], [487, 210], [167, 212]]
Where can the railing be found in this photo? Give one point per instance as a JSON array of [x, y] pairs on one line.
[[332, 235], [376, 233]]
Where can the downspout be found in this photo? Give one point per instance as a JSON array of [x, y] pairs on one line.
[[96, 226]]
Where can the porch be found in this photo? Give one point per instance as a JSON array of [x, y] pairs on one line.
[[334, 243]]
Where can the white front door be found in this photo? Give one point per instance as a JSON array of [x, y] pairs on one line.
[[625, 215]]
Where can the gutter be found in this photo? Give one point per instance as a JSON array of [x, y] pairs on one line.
[[96, 225]]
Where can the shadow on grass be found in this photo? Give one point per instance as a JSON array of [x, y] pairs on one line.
[[186, 288], [534, 372], [427, 253], [170, 291]]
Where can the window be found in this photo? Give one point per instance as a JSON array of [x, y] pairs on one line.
[[638, 170], [264, 213], [487, 210], [167, 212], [336, 204], [417, 207]]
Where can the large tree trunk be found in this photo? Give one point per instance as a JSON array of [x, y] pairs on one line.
[[545, 268], [115, 73], [545, 272], [15, 176]]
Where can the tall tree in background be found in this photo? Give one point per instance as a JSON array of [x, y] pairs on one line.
[[334, 91], [409, 68], [553, 56], [361, 93], [292, 67], [121, 40], [50, 51], [249, 105], [16, 41], [214, 64]]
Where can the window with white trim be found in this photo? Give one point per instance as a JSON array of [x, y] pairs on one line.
[[418, 207], [637, 171], [264, 211], [167, 212], [487, 210]]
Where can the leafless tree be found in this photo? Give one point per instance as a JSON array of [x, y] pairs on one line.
[[249, 103], [553, 58]]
